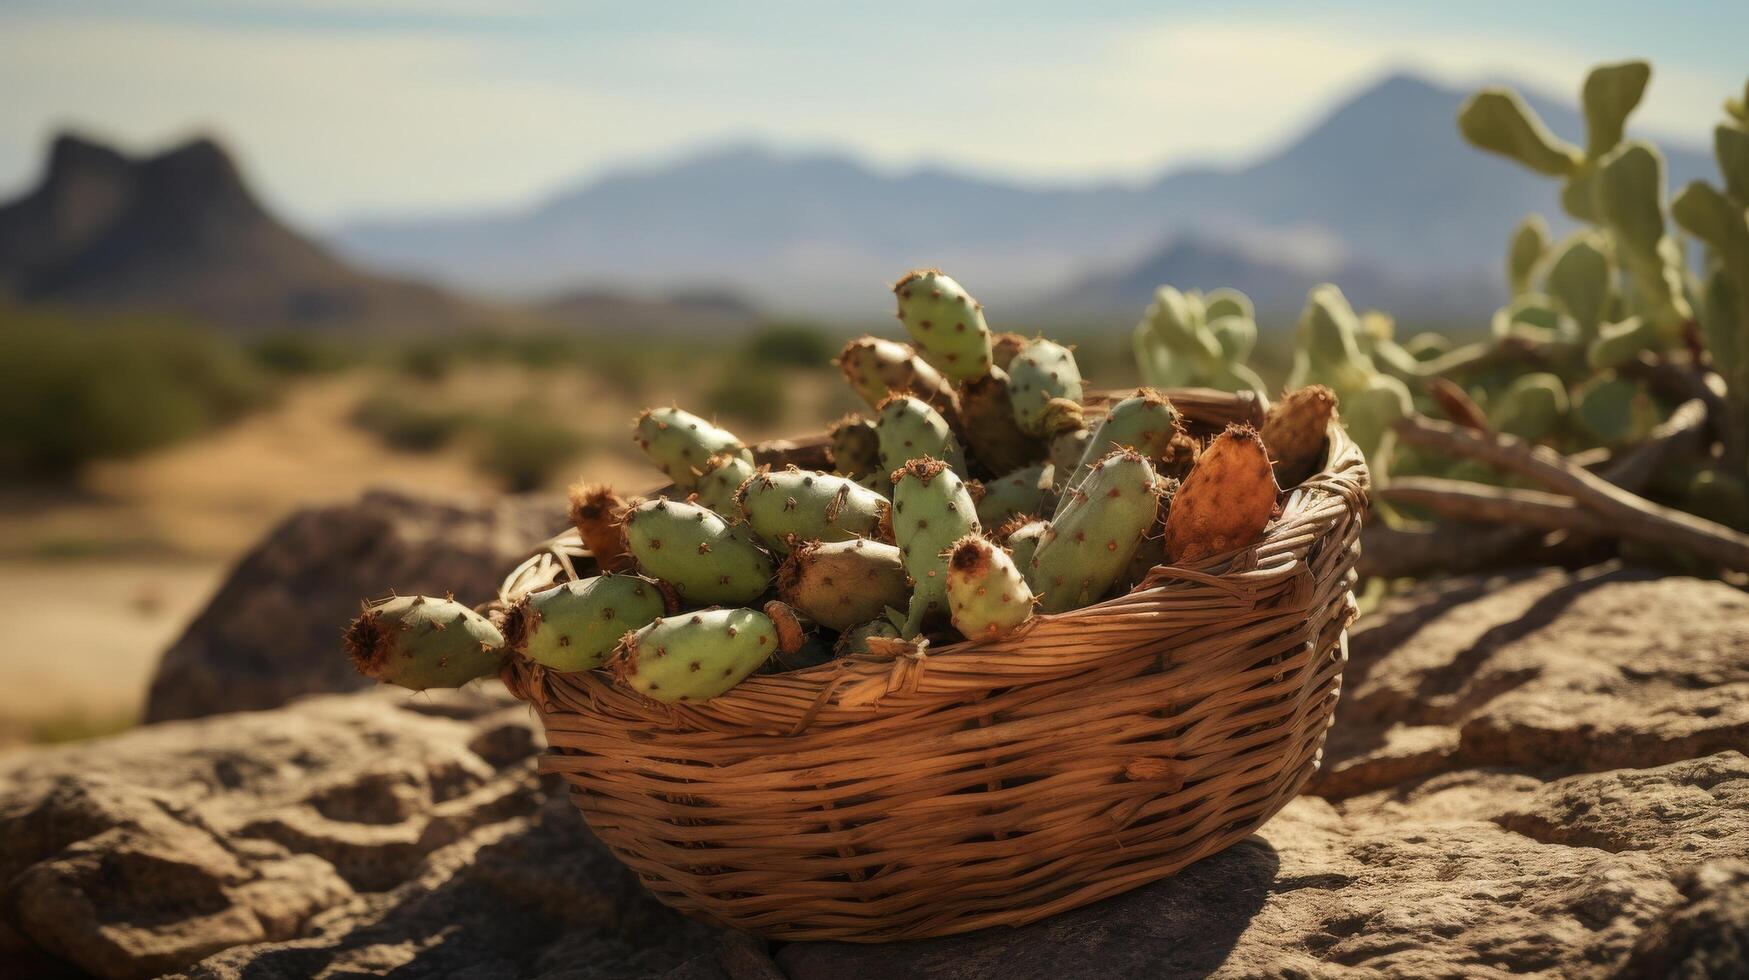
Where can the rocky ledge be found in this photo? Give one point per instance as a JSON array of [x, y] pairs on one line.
[[1537, 774]]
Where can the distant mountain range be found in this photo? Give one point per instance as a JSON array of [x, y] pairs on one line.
[[181, 233], [1380, 195]]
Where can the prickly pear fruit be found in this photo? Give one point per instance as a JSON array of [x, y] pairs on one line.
[[986, 595], [1179, 457], [1531, 408], [1529, 241], [1145, 422], [878, 369], [1089, 543], [421, 641], [987, 406], [931, 510], [596, 512], [1020, 492], [795, 505], [910, 429], [856, 448], [1294, 432], [1004, 347], [843, 583], [575, 625], [945, 323], [704, 557], [719, 482], [1042, 371], [697, 656], [1225, 502], [680, 443], [1021, 535]]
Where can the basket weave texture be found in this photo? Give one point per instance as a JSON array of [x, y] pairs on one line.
[[985, 784]]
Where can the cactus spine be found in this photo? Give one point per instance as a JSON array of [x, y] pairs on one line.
[[596, 512], [1225, 502], [931, 510], [680, 444], [1089, 543], [1021, 536], [1042, 371], [420, 642], [843, 583], [697, 656], [910, 429], [794, 505], [986, 595], [946, 324], [574, 626], [704, 557]]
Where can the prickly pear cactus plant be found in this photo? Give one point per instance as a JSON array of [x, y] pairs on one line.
[[1089, 543], [1043, 370], [574, 626], [1533, 407], [1188, 340], [986, 595], [1020, 492], [909, 429], [420, 642], [680, 444], [720, 483], [692, 548], [697, 656], [596, 512], [878, 369], [931, 510], [1226, 501], [844, 583], [793, 505], [994, 437], [1328, 353], [946, 324]]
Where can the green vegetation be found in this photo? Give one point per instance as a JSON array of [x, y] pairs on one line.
[[525, 449]]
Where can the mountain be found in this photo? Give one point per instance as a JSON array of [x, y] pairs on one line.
[[1382, 185], [180, 232]]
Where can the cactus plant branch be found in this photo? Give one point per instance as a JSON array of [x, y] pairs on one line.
[[1483, 503], [1633, 516]]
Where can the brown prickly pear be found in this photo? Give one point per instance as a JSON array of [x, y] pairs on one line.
[[987, 406], [1005, 347], [843, 583], [1226, 501], [879, 369], [596, 512], [1294, 432]]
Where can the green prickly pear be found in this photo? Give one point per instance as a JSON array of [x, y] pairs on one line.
[[854, 641], [1370, 413], [704, 557], [1225, 302], [1619, 343], [1531, 317], [986, 595], [794, 505], [987, 405], [879, 369], [1611, 92], [843, 583], [856, 448], [1532, 407], [1020, 492], [721, 480], [1327, 349], [1089, 544], [1529, 241], [1021, 535], [931, 510], [1145, 422], [945, 323], [680, 443], [1629, 198], [1041, 372], [697, 656], [575, 625], [910, 429], [420, 642]]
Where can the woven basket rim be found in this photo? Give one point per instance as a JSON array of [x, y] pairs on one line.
[[1339, 487]]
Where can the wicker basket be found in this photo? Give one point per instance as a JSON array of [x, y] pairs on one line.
[[979, 784]]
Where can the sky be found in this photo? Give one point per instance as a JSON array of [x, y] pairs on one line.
[[384, 107]]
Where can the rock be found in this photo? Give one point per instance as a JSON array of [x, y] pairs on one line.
[[1540, 774], [271, 633]]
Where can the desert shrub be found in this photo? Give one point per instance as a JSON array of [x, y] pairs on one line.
[[800, 345], [298, 354], [74, 389], [524, 450], [407, 424], [748, 393]]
